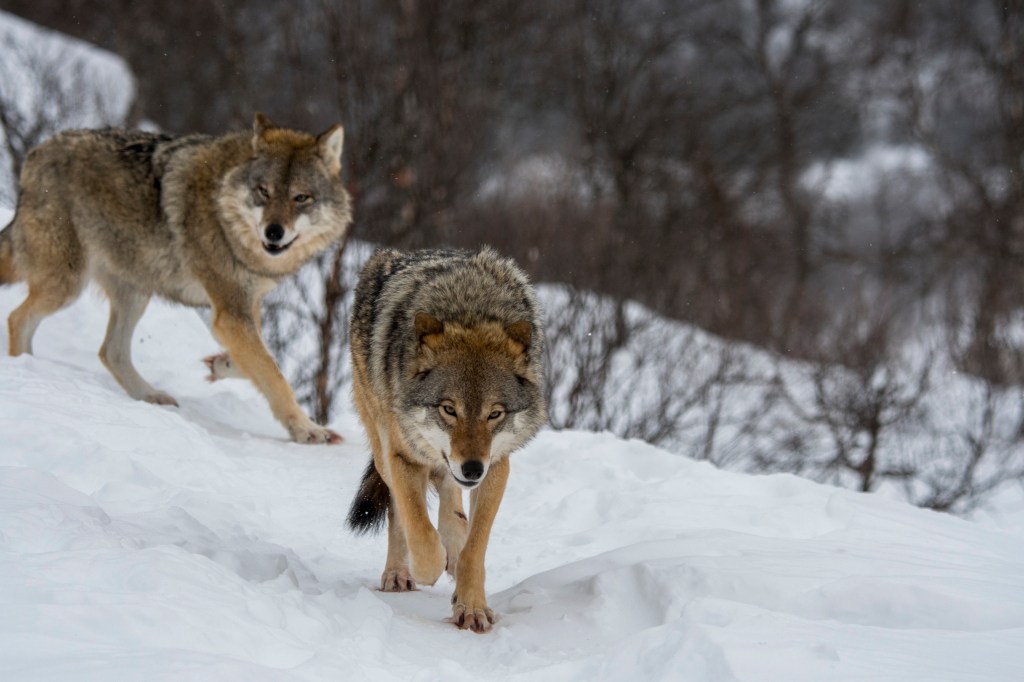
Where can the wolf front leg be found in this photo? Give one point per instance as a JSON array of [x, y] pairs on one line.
[[240, 334], [396, 576], [451, 519], [408, 484], [469, 603]]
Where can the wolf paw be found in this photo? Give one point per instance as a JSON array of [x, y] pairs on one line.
[[397, 581], [479, 618], [221, 367], [160, 398], [305, 431]]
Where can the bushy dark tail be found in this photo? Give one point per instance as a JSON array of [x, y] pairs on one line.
[[8, 275], [370, 507]]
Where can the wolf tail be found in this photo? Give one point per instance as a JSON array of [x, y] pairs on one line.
[[8, 273], [370, 506]]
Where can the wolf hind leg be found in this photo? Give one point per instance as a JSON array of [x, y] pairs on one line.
[[41, 247], [126, 307], [45, 296]]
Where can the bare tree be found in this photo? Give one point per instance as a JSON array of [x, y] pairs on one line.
[[980, 455], [969, 115]]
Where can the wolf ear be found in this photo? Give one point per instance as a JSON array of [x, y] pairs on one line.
[[426, 326], [260, 125], [330, 144], [521, 332]]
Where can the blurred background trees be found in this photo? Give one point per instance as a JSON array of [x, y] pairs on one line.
[[839, 183]]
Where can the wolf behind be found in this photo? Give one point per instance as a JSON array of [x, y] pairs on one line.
[[198, 220], [446, 353]]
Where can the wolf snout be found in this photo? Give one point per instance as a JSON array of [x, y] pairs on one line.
[[473, 470], [274, 233]]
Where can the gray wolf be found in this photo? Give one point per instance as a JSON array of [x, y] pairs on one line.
[[447, 379], [198, 220]]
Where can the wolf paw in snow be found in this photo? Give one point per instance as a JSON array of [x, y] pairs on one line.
[[161, 398], [221, 367], [477, 617], [397, 581], [303, 430]]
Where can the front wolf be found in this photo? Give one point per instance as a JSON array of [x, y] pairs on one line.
[[202, 221], [446, 353]]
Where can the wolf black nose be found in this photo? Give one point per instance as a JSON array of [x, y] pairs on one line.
[[274, 232], [473, 470]]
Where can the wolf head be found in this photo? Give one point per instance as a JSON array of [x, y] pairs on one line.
[[476, 392], [287, 201]]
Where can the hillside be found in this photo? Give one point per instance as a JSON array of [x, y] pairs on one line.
[[49, 82], [144, 542]]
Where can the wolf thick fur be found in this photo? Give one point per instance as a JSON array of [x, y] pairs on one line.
[[202, 221], [446, 353]]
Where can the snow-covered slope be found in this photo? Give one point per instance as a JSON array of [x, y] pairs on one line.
[[50, 81], [144, 542]]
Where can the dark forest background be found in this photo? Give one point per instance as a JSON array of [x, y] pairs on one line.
[[822, 179]]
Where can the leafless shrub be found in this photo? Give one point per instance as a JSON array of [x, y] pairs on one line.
[[615, 366]]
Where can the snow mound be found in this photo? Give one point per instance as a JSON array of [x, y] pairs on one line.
[[146, 542], [49, 82]]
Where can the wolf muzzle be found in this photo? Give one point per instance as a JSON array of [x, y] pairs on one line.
[[272, 236]]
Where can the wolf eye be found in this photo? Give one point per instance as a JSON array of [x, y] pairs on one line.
[[262, 192], [495, 415], [302, 198], [448, 410]]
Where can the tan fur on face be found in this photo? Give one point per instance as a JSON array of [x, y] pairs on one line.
[[486, 338]]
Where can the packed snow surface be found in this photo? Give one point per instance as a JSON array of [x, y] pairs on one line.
[[156, 543]]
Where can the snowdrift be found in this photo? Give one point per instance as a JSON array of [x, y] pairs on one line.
[[145, 542], [50, 81]]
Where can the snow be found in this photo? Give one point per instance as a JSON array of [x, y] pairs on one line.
[[50, 81], [146, 542]]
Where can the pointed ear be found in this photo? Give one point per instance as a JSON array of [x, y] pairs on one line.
[[330, 144], [427, 326], [260, 125], [521, 332]]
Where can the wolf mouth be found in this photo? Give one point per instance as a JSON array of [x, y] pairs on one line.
[[468, 485], [277, 249]]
